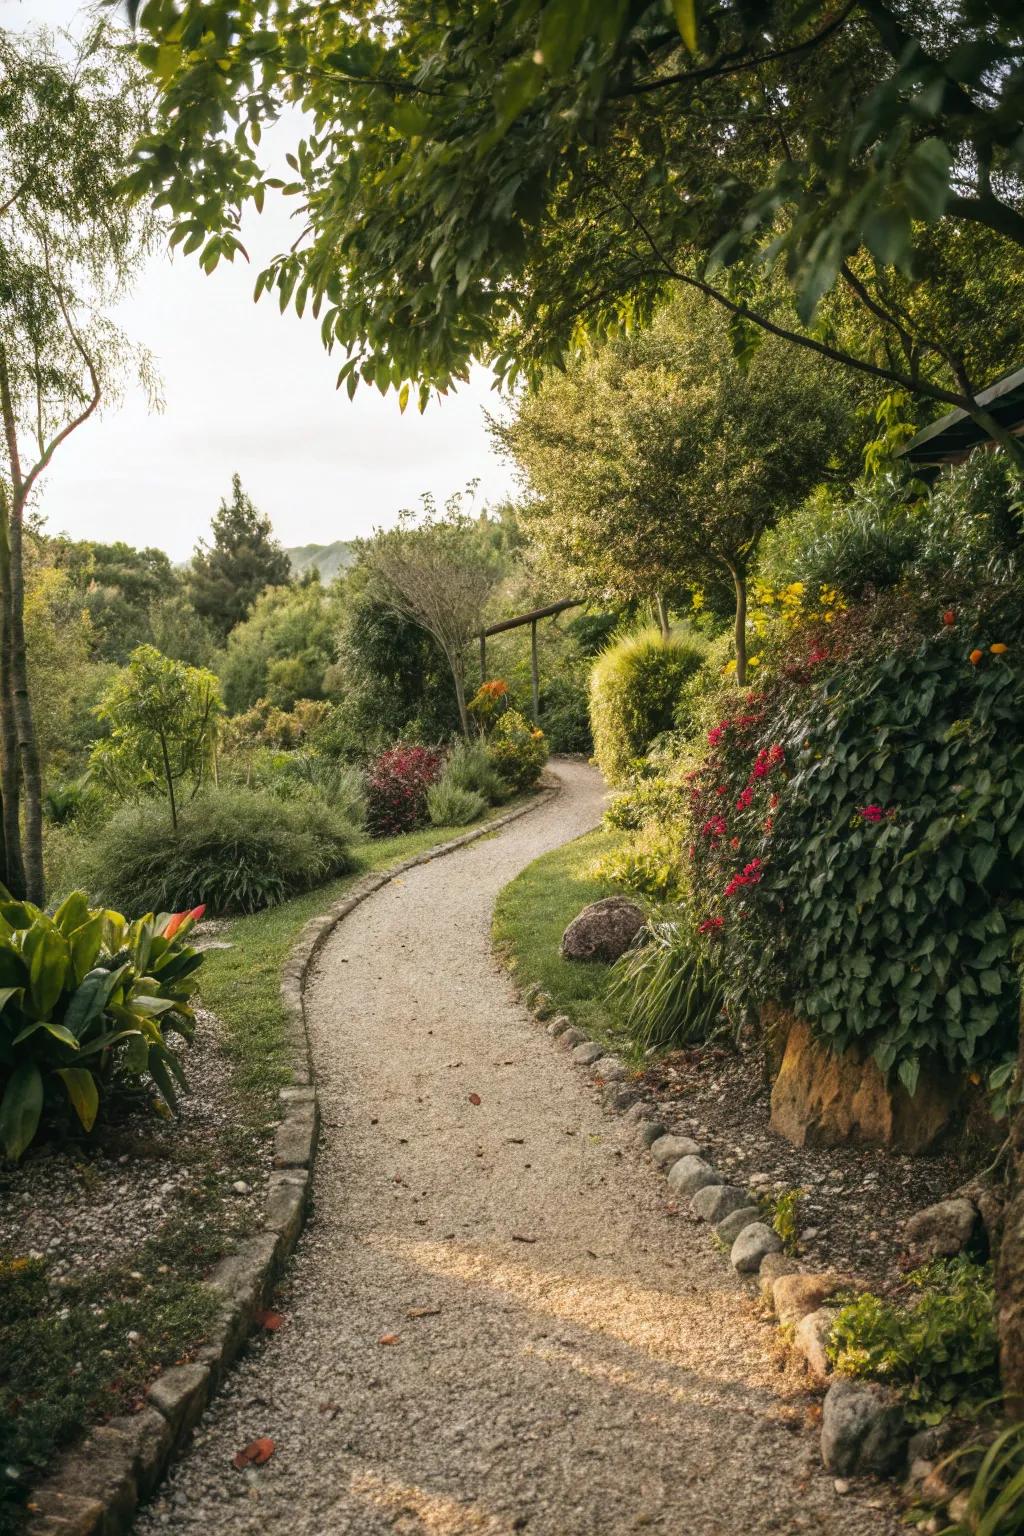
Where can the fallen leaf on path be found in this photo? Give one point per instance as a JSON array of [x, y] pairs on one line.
[[515, 1141], [590, 1253], [271, 1321], [517, 1237], [331, 1409], [451, 1064], [389, 1338], [254, 1454], [475, 1098], [424, 1312]]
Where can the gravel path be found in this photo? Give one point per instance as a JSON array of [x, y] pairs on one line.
[[566, 1358]]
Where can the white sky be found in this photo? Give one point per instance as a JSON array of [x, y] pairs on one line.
[[249, 389]]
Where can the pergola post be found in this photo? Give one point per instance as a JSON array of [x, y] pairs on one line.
[[534, 672], [483, 659]]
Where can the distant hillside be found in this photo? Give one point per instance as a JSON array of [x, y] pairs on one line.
[[329, 559]]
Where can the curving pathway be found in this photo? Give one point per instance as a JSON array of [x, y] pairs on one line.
[[571, 1360]]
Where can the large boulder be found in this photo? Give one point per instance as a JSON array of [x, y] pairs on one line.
[[822, 1098], [603, 931], [942, 1230]]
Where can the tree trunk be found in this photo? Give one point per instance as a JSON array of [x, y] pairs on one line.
[[170, 781], [739, 580], [661, 608], [460, 694], [13, 874], [28, 747], [1010, 1267]]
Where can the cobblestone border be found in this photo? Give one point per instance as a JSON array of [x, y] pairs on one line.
[[864, 1430], [96, 1488]]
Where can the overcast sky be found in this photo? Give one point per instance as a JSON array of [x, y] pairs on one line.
[[248, 389]]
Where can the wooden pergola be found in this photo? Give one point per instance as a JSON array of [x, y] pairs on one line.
[[950, 439], [532, 618]]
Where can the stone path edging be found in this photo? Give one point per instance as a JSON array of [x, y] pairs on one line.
[[864, 1430], [96, 1488]]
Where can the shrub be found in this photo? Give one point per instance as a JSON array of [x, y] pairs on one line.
[[646, 798], [489, 703], [649, 863], [396, 788], [869, 541], [448, 805], [668, 989], [469, 766], [518, 751], [86, 999], [235, 849], [941, 1350], [565, 711], [298, 775], [634, 689], [995, 1500], [856, 833]]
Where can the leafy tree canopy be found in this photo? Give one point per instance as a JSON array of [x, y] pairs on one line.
[[657, 461], [283, 650], [484, 181], [244, 558]]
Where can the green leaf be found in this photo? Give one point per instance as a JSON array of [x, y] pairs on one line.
[[83, 1093], [20, 1110], [908, 1072], [56, 1030], [48, 970], [685, 12]]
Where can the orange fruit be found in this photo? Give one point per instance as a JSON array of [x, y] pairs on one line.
[[999, 649], [949, 617], [975, 657]]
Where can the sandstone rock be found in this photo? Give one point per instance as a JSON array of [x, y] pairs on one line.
[[602, 931], [585, 1054], [716, 1201], [942, 1230], [668, 1149], [823, 1099], [862, 1430], [752, 1245], [810, 1341], [689, 1174], [772, 1266], [730, 1228], [796, 1295]]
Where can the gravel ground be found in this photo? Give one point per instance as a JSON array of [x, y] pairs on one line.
[[90, 1203], [495, 1322]]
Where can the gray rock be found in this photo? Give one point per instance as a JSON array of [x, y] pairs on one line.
[[689, 1174], [586, 1054], [810, 1341], [730, 1229], [862, 1430], [641, 1110], [602, 931], [752, 1245], [668, 1149], [618, 1098], [612, 1068], [571, 1037], [180, 1394], [716, 1201], [650, 1131], [942, 1230], [559, 1025]]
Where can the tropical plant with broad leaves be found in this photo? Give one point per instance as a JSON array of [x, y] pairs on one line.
[[86, 998]]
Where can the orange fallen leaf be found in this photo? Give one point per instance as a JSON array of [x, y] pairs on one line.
[[254, 1454], [474, 1098], [389, 1338], [424, 1312], [271, 1321]]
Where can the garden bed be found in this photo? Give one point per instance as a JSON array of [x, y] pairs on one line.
[[857, 1199], [105, 1240]]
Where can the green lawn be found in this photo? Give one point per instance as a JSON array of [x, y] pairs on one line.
[[530, 917]]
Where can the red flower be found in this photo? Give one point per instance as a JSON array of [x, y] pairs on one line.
[[711, 924], [178, 918], [873, 813]]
